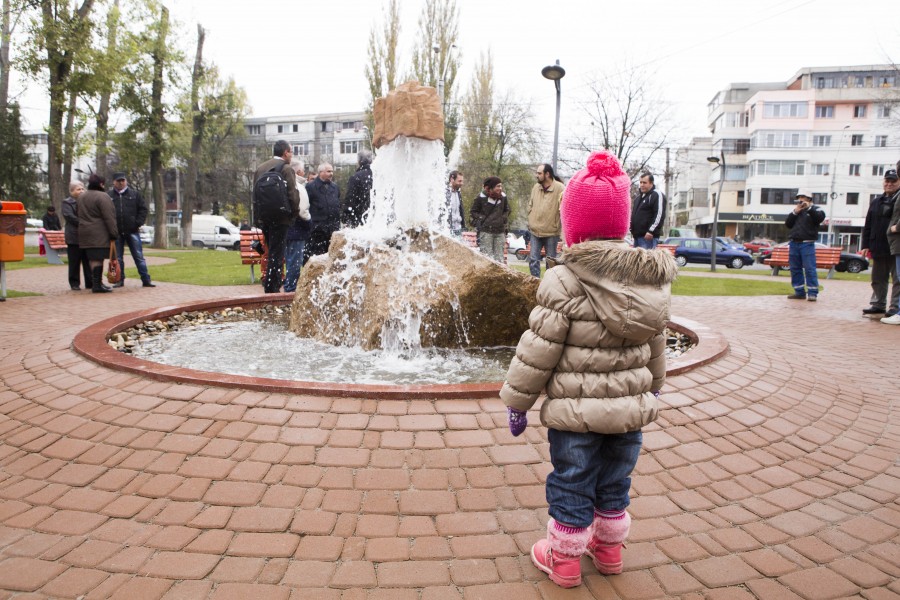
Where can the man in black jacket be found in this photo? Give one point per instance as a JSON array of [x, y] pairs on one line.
[[649, 215], [325, 208], [275, 231], [131, 213], [359, 190], [876, 246], [804, 223]]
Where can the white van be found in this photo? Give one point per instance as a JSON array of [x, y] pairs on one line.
[[214, 231]]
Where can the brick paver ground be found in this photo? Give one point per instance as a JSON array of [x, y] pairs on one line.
[[773, 473]]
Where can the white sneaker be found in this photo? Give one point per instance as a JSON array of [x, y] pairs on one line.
[[895, 320]]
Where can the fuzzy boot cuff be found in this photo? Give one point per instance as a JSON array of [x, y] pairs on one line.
[[611, 531], [565, 543]]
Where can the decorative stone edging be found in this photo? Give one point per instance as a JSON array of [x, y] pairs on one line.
[[92, 343]]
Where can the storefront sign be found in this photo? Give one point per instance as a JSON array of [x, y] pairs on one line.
[[752, 217]]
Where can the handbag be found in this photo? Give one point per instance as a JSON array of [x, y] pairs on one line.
[[114, 272]]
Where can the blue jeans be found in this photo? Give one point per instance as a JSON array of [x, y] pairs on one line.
[[802, 258], [293, 260], [590, 470], [640, 242], [534, 258], [137, 254]]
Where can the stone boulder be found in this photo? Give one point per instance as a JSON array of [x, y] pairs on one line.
[[422, 288], [411, 110]]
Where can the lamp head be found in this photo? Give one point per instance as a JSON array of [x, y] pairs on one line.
[[713, 159], [553, 72]]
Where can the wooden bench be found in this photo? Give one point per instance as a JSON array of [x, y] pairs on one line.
[[826, 258], [251, 257], [524, 253], [470, 239], [54, 242]]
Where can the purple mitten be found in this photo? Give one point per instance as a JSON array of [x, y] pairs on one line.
[[518, 421]]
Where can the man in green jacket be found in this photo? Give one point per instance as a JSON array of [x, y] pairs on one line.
[[543, 216]]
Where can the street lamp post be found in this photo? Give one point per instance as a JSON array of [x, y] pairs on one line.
[[554, 73], [440, 86], [719, 160]]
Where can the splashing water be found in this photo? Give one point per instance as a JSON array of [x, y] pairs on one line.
[[388, 257]]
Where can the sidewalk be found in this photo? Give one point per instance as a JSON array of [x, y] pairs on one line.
[[774, 473]]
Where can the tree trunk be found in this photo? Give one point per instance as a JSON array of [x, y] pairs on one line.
[[102, 159], [190, 196], [69, 141], [5, 32], [157, 131]]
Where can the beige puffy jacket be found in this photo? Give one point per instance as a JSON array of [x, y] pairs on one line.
[[596, 340]]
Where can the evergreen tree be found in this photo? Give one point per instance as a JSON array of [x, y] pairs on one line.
[[18, 168]]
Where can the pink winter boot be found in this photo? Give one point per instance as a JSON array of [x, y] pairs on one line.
[[605, 546], [559, 555]]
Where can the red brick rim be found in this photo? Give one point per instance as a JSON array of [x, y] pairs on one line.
[[91, 343]]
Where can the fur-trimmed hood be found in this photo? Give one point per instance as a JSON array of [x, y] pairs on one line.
[[629, 288]]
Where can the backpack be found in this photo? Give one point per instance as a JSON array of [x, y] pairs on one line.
[[271, 201]]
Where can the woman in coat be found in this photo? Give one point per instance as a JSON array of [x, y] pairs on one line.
[[96, 228]]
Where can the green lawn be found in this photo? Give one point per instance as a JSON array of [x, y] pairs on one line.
[[216, 267]]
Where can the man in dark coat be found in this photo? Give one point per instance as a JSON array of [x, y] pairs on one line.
[[275, 232], [359, 190], [77, 257], [325, 208], [876, 246], [131, 214], [649, 215], [51, 220]]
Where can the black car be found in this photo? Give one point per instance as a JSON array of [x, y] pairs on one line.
[[699, 250], [850, 262]]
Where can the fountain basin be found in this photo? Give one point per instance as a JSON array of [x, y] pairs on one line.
[[92, 344]]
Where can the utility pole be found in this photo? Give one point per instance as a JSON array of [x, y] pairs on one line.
[[670, 217]]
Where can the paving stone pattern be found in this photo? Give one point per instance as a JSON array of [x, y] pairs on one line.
[[772, 473]]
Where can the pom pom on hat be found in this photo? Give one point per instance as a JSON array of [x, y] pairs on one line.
[[597, 201]]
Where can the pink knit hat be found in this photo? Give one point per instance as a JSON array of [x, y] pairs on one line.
[[597, 201]]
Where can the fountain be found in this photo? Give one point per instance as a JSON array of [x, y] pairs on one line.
[[400, 282]]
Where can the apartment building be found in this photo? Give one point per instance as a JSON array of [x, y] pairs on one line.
[[690, 198], [335, 138], [827, 129]]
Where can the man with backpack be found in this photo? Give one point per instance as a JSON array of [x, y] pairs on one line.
[[276, 203]]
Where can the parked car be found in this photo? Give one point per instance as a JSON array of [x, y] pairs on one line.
[[515, 243], [850, 262], [36, 223], [682, 232], [730, 243], [699, 250], [146, 234], [756, 244]]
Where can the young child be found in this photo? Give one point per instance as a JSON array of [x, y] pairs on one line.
[[596, 347]]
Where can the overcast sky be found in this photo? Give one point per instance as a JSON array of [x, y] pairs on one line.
[[696, 47]]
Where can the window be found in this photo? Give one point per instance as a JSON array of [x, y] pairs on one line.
[[714, 199], [735, 172], [819, 169], [778, 139], [349, 147], [824, 112], [778, 195], [749, 196], [859, 111], [859, 81], [886, 82], [820, 198], [856, 139], [327, 126], [301, 149], [784, 110], [345, 125], [821, 140], [878, 170], [883, 111], [254, 129], [854, 170], [281, 129], [732, 146], [295, 127], [779, 167], [325, 149], [852, 198], [880, 141], [740, 198]]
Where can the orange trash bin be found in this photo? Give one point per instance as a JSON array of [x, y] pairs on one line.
[[12, 231]]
